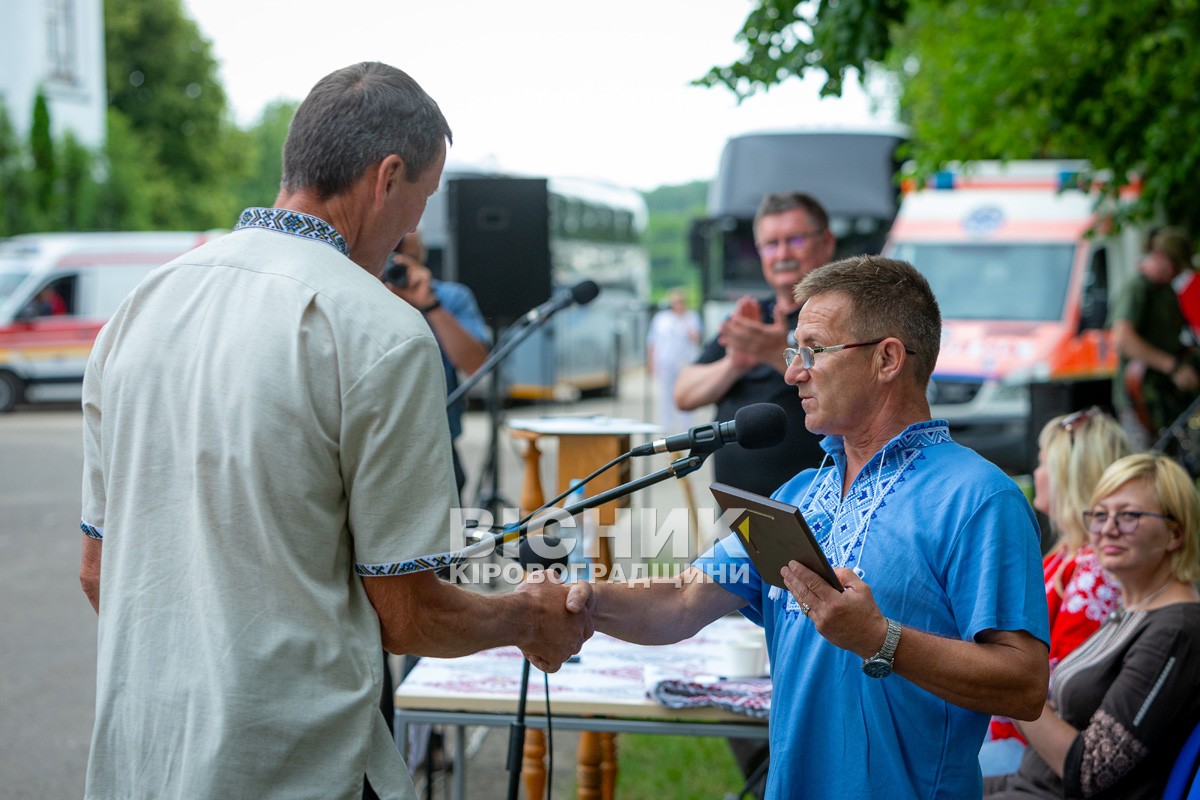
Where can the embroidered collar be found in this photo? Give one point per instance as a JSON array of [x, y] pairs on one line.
[[840, 523], [919, 434], [293, 223]]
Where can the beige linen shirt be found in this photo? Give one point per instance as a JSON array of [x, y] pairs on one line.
[[264, 422]]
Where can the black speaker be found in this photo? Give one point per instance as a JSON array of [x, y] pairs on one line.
[[1050, 400], [498, 243]]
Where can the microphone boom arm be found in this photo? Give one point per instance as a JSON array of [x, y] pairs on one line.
[[507, 343], [676, 469]]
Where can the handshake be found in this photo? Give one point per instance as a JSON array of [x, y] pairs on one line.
[[556, 618]]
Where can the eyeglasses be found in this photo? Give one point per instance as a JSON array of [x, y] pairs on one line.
[[1127, 521], [795, 241], [808, 355], [1074, 422]]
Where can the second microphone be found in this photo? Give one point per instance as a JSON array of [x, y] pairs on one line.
[[753, 427]]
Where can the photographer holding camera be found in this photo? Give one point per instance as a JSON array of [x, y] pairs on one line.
[[453, 315]]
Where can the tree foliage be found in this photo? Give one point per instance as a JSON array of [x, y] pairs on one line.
[[671, 210], [172, 159], [785, 38], [163, 79], [17, 205], [1109, 81], [264, 150], [41, 146]]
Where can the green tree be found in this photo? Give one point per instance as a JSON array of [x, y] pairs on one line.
[[785, 38], [16, 180], [671, 211], [41, 145], [162, 78], [260, 184], [133, 186], [1110, 81], [78, 189]]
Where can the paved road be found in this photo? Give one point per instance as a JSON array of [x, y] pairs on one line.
[[48, 630]]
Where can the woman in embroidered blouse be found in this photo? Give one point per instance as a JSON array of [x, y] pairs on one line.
[[1073, 451], [1122, 704]]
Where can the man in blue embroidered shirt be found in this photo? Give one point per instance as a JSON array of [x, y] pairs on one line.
[[885, 689], [266, 459]]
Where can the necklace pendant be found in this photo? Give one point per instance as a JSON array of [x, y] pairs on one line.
[[1117, 615]]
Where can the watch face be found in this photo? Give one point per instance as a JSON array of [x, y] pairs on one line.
[[877, 668]]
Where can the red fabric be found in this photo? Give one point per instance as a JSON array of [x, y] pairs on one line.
[[1189, 301], [1088, 596]]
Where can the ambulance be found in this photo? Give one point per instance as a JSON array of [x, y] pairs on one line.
[[56, 291], [1025, 265]]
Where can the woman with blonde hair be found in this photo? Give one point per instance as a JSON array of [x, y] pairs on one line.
[[1123, 703], [1073, 451]]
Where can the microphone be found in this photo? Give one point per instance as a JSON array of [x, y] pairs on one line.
[[582, 293], [753, 427]]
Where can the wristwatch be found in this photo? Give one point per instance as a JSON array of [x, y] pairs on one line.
[[880, 664]]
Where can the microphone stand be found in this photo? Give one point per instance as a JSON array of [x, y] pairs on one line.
[[513, 335], [516, 733]]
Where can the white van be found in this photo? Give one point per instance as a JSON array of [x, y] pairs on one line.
[[56, 291], [1024, 266]]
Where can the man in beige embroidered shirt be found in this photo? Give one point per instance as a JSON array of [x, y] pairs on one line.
[[265, 444]]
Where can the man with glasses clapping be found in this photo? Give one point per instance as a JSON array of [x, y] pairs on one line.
[[741, 366]]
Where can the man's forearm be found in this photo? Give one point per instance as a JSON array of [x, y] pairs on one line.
[[663, 610], [89, 570], [422, 615], [465, 352], [702, 384], [1004, 676], [1131, 345], [430, 617]]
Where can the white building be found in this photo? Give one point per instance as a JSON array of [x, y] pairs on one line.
[[57, 46]]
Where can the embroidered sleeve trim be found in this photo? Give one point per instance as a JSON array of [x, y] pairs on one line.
[[91, 530], [1110, 751]]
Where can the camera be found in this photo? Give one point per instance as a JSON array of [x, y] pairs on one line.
[[396, 274]]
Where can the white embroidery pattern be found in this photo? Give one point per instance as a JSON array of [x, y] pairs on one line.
[[1088, 591], [840, 526]]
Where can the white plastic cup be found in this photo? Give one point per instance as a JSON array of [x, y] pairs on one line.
[[742, 659]]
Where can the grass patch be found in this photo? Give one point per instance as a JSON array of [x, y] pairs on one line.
[[650, 767]]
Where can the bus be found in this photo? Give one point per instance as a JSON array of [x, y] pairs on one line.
[[595, 233], [852, 172]]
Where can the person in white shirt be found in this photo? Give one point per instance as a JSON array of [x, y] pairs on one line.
[[672, 344]]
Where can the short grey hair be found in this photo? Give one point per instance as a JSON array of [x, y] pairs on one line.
[[887, 298], [779, 202], [356, 117]]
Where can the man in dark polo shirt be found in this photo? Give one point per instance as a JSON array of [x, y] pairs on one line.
[[744, 363]]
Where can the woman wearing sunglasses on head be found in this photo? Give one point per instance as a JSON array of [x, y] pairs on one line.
[[1123, 703], [1073, 451]]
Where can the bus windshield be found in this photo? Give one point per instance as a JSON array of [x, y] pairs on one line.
[[1013, 282]]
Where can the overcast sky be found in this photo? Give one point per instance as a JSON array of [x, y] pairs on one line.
[[545, 87]]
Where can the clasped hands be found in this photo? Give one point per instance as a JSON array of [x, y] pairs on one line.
[[561, 620], [748, 341]]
